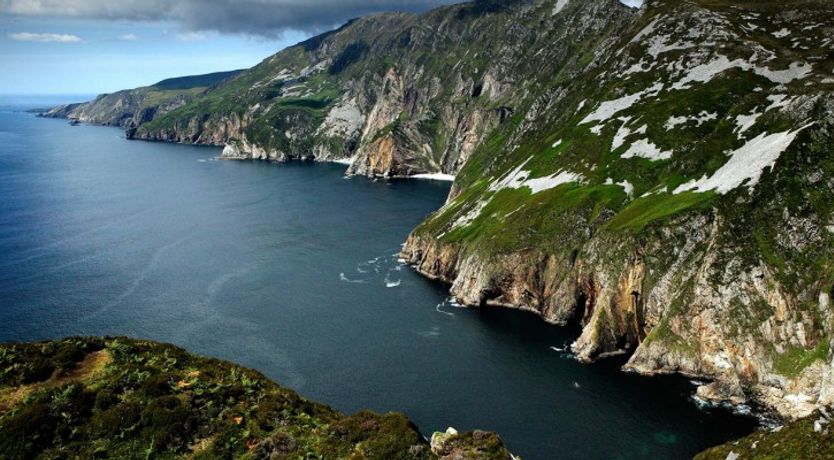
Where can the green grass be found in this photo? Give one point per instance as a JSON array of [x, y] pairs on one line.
[[655, 207], [795, 440], [792, 362]]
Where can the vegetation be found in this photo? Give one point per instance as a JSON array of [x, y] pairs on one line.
[[124, 398], [195, 81], [800, 439], [793, 361]]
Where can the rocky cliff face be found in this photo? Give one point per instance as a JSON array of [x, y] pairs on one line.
[[674, 199], [661, 176], [397, 94]]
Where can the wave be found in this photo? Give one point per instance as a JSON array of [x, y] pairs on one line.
[[392, 284], [439, 310], [348, 280], [138, 279]]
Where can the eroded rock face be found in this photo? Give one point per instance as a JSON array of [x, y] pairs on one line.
[[684, 227], [372, 92]]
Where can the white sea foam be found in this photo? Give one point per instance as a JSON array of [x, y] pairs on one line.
[[348, 280], [435, 176], [439, 309], [392, 284]]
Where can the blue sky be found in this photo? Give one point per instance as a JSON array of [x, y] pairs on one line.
[[113, 55], [94, 46]]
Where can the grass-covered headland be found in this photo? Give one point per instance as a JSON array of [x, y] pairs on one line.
[[126, 398]]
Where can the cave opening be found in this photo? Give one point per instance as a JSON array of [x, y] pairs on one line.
[[638, 320]]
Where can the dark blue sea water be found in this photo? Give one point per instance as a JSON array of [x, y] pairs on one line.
[[291, 269]]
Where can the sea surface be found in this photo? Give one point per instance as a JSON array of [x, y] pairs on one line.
[[292, 269]]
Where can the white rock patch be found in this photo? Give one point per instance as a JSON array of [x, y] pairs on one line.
[[781, 33], [344, 119], [658, 45], [706, 72], [541, 184], [513, 179], [519, 178], [778, 101], [796, 71], [622, 133], [608, 109], [700, 119], [745, 122], [626, 185], [560, 5], [645, 149], [746, 164], [471, 215]]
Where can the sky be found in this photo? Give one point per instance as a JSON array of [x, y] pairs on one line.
[[96, 46]]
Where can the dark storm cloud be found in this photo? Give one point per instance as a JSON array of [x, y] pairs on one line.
[[255, 17]]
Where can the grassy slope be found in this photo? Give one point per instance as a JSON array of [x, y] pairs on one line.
[[123, 398], [796, 440], [558, 220]]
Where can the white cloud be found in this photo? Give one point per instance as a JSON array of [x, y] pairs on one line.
[[33, 37], [249, 17], [190, 36], [128, 37]]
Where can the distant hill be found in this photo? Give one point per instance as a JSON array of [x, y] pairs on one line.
[[131, 107], [195, 81]]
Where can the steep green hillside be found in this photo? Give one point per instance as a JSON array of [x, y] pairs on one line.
[[195, 81], [675, 198], [399, 93], [124, 398]]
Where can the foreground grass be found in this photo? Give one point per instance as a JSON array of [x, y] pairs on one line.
[[124, 398]]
